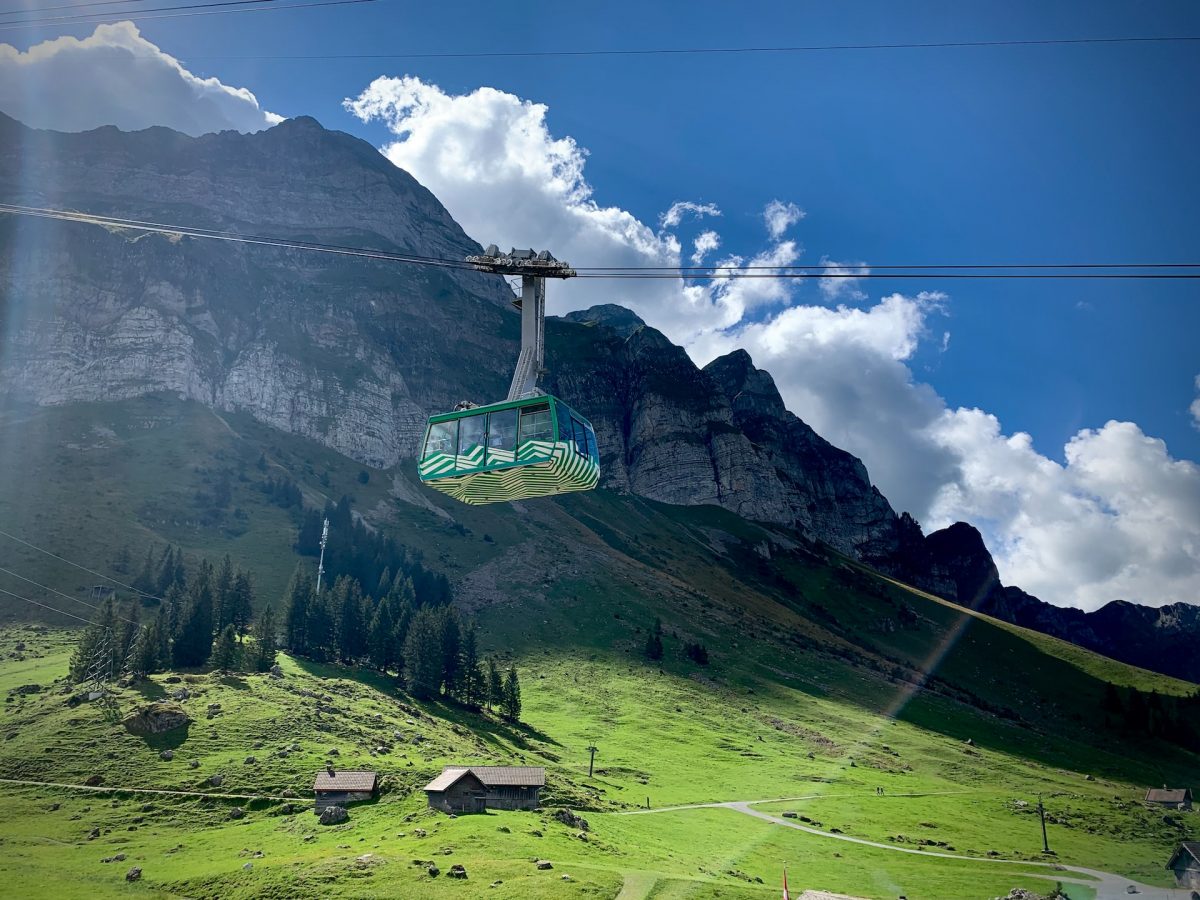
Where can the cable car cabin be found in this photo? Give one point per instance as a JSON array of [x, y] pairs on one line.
[[535, 447]]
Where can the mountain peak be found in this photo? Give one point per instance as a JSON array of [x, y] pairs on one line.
[[620, 319], [748, 388]]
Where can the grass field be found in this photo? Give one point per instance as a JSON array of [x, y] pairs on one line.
[[825, 682]]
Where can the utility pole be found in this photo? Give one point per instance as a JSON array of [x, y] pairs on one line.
[[1042, 813], [592, 748], [321, 562]]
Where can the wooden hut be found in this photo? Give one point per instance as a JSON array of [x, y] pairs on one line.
[[335, 788], [1185, 863], [462, 789], [1175, 798]]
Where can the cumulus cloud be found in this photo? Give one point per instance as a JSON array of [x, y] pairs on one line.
[[683, 208], [705, 243], [780, 216], [842, 280], [117, 77], [1117, 518]]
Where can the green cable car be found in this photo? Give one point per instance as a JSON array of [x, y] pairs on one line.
[[529, 445]]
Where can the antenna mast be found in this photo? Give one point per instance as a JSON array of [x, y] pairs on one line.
[[321, 562], [534, 268]]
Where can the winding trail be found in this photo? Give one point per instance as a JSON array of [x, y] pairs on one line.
[[1108, 886]]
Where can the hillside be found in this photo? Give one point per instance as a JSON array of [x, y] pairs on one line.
[[824, 682]]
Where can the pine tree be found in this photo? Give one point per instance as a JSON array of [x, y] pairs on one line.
[[654, 643], [351, 631], [423, 654], [225, 652], [193, 642], [512, 696], [474, 685], [385, 583], [296, 602], [321, 628], [223, 595], [495, 685], [162, 635], [92, 641], [145, 659], [146, 582], [241, 603], [451, 643], [264, 641], [382, 638]]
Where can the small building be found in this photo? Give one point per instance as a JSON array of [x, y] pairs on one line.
[[462, 789], [334, 788], [1175, 798], [1185, 863]]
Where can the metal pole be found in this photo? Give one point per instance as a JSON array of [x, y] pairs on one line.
[[321, 562], [592, 762], [1042, 813]]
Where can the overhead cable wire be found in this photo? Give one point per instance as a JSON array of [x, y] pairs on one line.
[[1174, 270], [42, 9], [130, 587], [103, 19], [689, 51], [51, 20], [61, 594], [60, 612]]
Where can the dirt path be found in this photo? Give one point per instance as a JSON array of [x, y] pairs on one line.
[[1108, 886], [128, 790]]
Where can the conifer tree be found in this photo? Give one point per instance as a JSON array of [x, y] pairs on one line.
[[321, 628], [296, 601], [474, 685], [654, 643], [90, 651], [162, 635], [223, 595], [241, 603], [351, 631], [423, 654], [225, 653], [382, 637], [264, 640], [512, 696], [495, 685], [144, 658], [193, 642], [146, 581], [451, 643]]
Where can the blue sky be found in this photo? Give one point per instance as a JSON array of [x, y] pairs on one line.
[[999, 154]]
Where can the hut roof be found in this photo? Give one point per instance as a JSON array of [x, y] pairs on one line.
[[1168, 795], [331, 780], [491, 776], [1186, 848]]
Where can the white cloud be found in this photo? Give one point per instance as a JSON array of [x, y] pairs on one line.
[[117, 77], [780, 216], [1195, 407], [840, 281], [705, 243], [1118, 518], [681, 208]]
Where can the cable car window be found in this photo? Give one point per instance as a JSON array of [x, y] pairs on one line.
[[535, 424], [470, 440], [580, 434], [593, 450], [502, 436], [442, 438], [564, 421]]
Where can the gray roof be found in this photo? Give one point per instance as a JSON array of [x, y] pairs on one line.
[[345, 781], [1191, 848], [491, 776], [1168, 795]]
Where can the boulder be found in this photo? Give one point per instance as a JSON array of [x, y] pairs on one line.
[[571, 820], [334, 815], [544, 864], [167, 755], [276, 672], [94, 780], [156, 718], [134, 874], [237, 813], [433, 871], [457, 871], [194, 764], [216, 780]]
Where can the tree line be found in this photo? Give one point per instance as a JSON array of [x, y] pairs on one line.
[[1169, 718], [202, 618], [428, 646]]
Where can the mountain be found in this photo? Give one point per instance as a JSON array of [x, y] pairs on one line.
[[354, 353], [1162, 639]]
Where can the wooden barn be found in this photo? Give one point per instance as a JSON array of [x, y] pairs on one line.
[[334, 788], [462, 789], [1185, 863], [1175, 798]]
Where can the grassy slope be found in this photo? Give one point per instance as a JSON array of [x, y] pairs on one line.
[[812, 691]]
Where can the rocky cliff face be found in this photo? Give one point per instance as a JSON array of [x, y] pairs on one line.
[[1163, 639]]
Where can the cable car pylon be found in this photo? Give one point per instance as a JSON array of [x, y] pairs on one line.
[[530, 444]]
